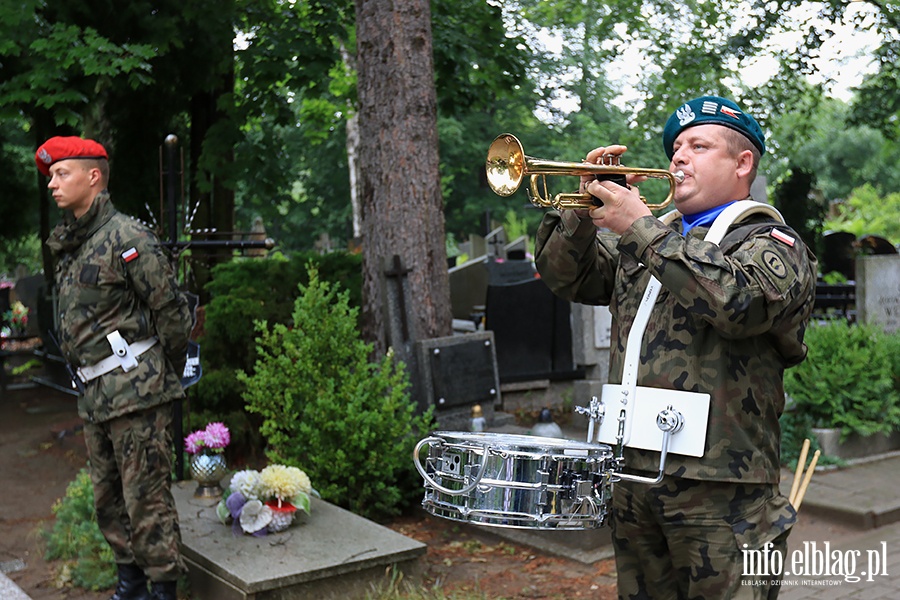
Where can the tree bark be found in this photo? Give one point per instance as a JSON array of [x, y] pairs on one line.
[[400, 188]]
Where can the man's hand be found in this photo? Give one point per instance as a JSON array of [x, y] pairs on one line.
[[622, 206]]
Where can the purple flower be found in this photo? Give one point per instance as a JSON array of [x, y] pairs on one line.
[[235, 503], [215, 437]]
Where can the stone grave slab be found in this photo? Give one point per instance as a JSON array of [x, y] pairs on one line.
[[459, 372], [878, 290], [329, 554]]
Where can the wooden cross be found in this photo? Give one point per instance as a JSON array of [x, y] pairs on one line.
[[398, 272]]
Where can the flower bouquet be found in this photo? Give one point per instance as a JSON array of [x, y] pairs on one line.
[[260, 502], [16, 319], [211, 440]]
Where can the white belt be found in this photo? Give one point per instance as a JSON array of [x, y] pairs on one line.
[[123, 355]]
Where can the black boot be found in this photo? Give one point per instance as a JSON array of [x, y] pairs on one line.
[[164, 590], [132, 584]]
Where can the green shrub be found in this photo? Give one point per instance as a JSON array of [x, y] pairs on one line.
[[848, 380], [245, 291], [796, 427], [349, 423], [76, 539]]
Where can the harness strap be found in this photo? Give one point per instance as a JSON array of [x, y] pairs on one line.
[[124, 355]]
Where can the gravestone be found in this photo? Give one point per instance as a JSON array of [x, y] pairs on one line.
[[496, 243], [401, 332], [878, 290], [758, 189], [518, 248], [331, 554], [27, 291], [459, 372], [532, 330], [475, 247], [468, 287], [838, 254], [591, 329]]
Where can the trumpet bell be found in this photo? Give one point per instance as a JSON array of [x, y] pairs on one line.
[[505, 164]]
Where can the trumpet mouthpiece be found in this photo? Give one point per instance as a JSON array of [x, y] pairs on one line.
[[679, 176]]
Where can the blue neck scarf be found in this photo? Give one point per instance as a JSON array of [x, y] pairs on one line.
[[706, 217]]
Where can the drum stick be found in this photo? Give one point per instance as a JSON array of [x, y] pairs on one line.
[[809, 474], [801, 463]]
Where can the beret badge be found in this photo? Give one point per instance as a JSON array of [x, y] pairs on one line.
[[685, 115]]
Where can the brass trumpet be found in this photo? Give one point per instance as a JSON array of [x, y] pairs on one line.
[[507, 165]]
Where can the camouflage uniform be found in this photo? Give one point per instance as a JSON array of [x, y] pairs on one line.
[[729, 319], [128, 416]]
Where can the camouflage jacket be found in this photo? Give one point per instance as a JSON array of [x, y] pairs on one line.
[[101, 291], [729, 319]]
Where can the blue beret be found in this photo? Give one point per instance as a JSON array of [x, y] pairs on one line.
[[712, 110]]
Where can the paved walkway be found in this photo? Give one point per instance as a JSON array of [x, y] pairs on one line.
[[863, 566]]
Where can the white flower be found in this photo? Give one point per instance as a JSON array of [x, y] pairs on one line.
[[247, 483], [255, 516]]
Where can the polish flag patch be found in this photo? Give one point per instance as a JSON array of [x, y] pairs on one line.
[[783, 237], [129, 255]]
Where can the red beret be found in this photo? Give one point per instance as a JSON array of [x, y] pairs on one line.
[[60, 148]]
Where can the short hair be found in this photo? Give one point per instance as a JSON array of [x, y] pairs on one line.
[[737, 142], [99, 163]]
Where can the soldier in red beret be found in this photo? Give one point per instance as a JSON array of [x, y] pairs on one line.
[[124, 327]]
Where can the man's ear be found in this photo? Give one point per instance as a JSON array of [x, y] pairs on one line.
[[95, 176], [744, 163]]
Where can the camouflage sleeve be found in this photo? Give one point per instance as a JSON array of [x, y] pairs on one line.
[[154, 283], [764, 281], [575, 261]]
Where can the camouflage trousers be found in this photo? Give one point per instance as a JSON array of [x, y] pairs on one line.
[[131, 472], [688, 539]]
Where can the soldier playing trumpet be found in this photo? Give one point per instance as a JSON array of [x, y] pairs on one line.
[[729, 320]]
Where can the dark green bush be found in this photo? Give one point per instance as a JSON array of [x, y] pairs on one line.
[[244, 291], [348, 422], [848, 380], [76, 539], [796, 427]]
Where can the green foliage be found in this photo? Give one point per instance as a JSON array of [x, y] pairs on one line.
[[76, 539], [867, 212], [848, 379], [795, 428], [349, 423], [834, 277], [243, 292], [25, 250]]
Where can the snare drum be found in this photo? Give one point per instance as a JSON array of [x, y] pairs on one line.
[[518, 481]]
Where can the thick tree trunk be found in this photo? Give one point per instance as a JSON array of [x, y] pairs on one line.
[[400, 188]]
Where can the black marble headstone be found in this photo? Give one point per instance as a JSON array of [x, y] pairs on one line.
[[463, 373], [532, 330]]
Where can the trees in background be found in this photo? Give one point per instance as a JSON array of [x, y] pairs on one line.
[[261, 94]]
